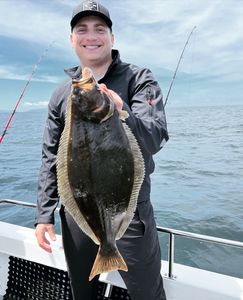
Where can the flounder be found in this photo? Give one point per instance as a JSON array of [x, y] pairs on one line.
[[100, 170]]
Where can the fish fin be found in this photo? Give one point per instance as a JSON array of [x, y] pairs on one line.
[[139, 173], [107, 263], [123, 115], [64, 188]]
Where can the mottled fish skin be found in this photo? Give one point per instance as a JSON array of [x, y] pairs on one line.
[[100, 170]]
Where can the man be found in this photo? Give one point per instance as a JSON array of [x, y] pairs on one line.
[[136, 91]]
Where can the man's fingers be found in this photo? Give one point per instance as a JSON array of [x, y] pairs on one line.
[[51, 233], [40, 233], [43, 242], [45, 245], [113, 96], [104, 89]]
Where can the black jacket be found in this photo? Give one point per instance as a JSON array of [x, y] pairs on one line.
[[142, 100]]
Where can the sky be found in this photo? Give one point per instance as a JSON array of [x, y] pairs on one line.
[[150, 34]]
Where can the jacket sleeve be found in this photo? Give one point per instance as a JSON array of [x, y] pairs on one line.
[[47, 196], [147, 117]]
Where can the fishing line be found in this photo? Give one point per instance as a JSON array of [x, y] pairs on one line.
[[24, 90], [179, 61]]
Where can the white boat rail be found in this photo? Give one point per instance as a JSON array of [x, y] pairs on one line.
[[18, 247], [206, 238], [172, 235], [16, 202]]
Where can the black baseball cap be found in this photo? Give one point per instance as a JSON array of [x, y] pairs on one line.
[[90, 8]]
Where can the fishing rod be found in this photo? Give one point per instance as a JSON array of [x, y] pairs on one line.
[[179, 61], [23, 91]]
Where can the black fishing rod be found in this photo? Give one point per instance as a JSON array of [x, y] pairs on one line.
[[179, 61], [23, 91]]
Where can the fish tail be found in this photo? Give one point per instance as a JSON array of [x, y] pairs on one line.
[[107, 263]]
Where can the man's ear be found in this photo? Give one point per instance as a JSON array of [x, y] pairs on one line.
[[112, 39], [71, 39]]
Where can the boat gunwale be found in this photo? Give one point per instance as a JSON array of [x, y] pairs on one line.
[[173, 233]]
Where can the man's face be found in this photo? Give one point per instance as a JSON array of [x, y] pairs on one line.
[[92, 41]]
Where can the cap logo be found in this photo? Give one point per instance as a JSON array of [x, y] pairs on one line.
[[91, 5]]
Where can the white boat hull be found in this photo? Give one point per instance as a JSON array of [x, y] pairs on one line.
[[187, 284]]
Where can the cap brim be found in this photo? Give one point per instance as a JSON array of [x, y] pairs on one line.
[[82, 14]]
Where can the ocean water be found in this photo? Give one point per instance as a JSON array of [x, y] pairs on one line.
[[197, 185]]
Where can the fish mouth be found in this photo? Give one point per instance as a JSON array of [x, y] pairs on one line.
[[87, 82], [87, 73]]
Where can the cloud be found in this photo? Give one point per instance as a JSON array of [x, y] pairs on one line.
[[35, 22], [154, 33], [14, 73], [69, 3], [9, 72], [149, 34], [39, 104]]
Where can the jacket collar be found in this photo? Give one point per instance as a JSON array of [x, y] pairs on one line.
[[76, 72]]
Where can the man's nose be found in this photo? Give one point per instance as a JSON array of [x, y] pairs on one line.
[[91, 35]]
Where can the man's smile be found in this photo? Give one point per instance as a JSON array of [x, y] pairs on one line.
[[91, 46]]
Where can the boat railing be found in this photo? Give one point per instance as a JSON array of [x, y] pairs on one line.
[[16, 202], [173, 233]]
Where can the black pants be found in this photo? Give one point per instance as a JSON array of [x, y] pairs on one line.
[[139, 247]]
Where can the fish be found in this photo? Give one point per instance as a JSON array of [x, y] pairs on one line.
[[100, 170]]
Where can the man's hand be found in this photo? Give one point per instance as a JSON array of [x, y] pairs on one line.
[[40, 233], [113, 96]]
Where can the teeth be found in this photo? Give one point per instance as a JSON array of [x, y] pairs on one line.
[[91, 47]]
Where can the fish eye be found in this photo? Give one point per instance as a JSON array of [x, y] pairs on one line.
[[76, 90]]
